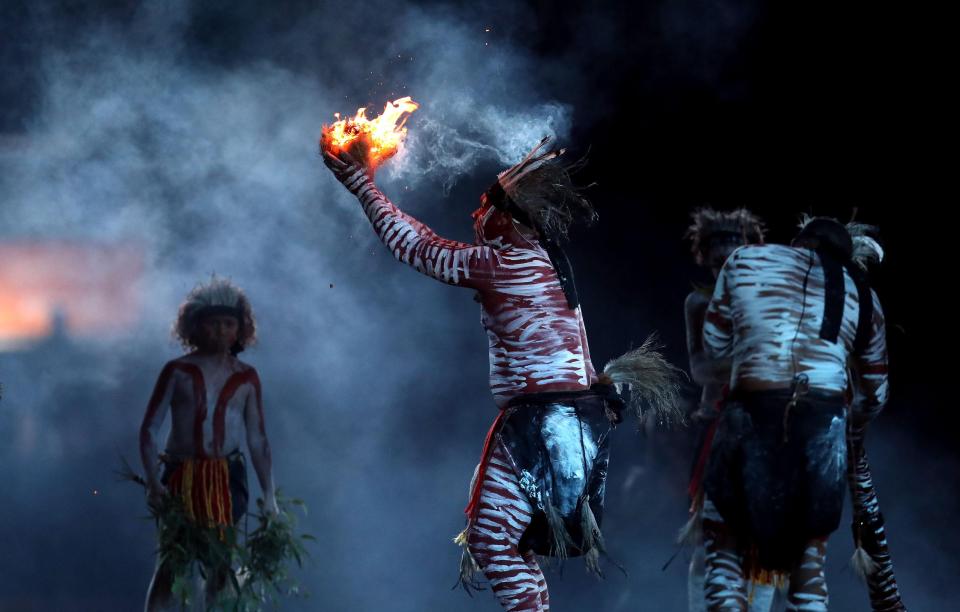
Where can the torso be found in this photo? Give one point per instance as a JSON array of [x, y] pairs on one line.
[[207, 406], [777, 324], [537, 343]]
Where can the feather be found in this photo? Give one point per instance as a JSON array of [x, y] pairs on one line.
[[469, 568], [593, 544], [866, 249], [560, 541], [863, 564], [540, 186], [653, 381]]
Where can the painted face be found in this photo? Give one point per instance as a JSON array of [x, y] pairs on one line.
[[217, 333], [494, 227]]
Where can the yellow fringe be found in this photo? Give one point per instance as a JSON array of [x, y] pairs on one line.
[[461, 539], [759, 575], [213, 476], [769, 577]]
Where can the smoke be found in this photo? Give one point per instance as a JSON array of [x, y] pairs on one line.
[[143, 135], [191, 130], [447, 152]]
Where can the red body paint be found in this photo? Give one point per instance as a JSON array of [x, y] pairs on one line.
[[229, 389], [159, 389], [226, 394]]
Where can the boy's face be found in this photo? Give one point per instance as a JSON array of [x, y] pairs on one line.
[[217, 333]]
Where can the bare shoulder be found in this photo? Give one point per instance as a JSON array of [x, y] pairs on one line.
[[243, 367], [249, 372], [173, 366], [696, 300]]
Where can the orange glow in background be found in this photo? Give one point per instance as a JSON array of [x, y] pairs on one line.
[[93, 285]]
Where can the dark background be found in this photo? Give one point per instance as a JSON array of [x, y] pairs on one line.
[[376, 377]]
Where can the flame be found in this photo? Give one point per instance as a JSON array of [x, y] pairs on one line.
[[371, 141]]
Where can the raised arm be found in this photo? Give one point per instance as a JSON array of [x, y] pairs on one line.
[[258, 444], [718, 322], [871, 383], [412, 242], [157, 410]]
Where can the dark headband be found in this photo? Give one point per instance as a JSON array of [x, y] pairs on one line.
[[220, 309]]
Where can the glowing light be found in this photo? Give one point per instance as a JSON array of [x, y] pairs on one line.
[[93, 286], [370, 141]]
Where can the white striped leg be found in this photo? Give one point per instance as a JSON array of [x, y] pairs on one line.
[[502, 516], [725, 588], [808, 585], [531, 560], [882, 583]]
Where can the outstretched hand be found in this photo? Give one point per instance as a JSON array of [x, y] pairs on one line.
[[346, 168]]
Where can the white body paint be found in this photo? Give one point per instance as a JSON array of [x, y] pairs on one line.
[[763, 320], [537, 343]]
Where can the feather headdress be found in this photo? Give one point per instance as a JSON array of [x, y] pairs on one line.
[[218, 295], [541, 188]]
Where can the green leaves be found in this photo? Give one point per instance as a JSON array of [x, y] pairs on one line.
[[255, 572]]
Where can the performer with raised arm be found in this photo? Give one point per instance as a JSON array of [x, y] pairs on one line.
[[791, 319], [714, 235], [214, 403], [539, 488]]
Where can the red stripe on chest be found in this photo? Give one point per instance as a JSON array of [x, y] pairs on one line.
[[226, 394], [155, 398]]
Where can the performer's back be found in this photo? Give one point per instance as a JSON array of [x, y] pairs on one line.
[[767, 315]]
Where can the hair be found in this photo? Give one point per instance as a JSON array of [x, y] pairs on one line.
[[709, 224], [542, 188], [217, 295]]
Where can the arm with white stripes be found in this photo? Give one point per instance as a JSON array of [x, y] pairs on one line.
[[718, 321], [870, 368], [415, 244]]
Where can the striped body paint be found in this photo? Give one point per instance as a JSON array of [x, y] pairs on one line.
[[869, 529], [762, 597], [503, 515], [761, 317], [808, 585], [766, 315], [536, 342], [725, 588]]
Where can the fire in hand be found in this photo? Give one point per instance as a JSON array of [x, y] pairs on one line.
[[369, 141]]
